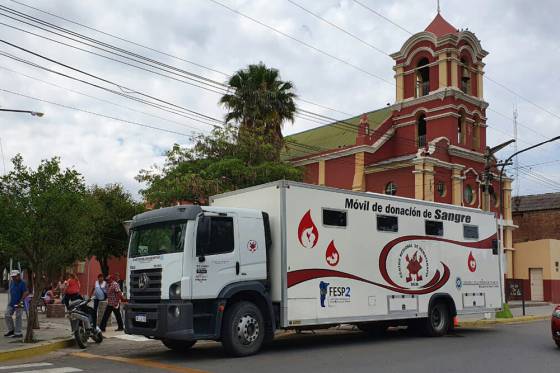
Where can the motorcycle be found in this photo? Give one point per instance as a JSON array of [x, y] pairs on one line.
[[81, 320]]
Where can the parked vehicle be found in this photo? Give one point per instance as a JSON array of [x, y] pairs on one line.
[[289, 255], [555, 325], [81, 320]]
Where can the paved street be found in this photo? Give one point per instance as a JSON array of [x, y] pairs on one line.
[[505, 348]]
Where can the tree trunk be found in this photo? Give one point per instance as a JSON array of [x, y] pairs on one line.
[[33, 317], [104, 263]]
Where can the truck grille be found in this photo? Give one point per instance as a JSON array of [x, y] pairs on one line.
[[145, 286]]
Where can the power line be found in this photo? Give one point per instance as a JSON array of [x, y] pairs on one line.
[[121, 38], [95, 113], [97, 98], [321, 51], [120, 86], [339, 28], [486, 76], [381, 16], [158, 51]]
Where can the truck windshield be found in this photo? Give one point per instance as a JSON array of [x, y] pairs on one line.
[[157, 239]]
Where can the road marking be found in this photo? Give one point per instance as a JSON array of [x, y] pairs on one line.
[[140, 362], [23, 366], [53, 370]]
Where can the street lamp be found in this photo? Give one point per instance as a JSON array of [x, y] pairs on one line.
[[33, 113]]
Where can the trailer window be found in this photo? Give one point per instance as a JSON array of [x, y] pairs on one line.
[[214, 235], [470, 231], [334, 218], [386, 223], [434, 228]]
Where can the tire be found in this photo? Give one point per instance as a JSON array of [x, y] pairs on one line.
[[97, 337], [373, 328], [557, 343], [179, 346], [81, 335], [243, 329], [439, 320]]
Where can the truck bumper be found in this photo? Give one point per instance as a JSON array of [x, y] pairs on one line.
[[173, 320]]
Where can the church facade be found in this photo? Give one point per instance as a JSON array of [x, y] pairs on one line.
[[430, 144]]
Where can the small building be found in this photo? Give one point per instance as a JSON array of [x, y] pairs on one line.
[[536, 242]]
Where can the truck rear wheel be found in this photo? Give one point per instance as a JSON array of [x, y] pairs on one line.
[[179, 346], [243, 329], [438, 321]]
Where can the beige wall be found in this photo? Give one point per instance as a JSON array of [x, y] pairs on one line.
[[554, 257], [536, 254]]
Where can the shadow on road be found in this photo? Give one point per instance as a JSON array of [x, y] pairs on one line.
[[299, 342]]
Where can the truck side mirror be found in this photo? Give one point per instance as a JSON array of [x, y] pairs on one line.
[[495, 246]]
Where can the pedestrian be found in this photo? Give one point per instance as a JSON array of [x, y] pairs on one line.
[[99, 294], [114, 299], [117, 276], [18, 292], [72, 290]]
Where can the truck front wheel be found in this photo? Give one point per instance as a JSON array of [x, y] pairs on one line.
[[179, 346], [439, 320], [243, 329]]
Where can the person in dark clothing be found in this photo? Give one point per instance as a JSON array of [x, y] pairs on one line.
[[114, 299]]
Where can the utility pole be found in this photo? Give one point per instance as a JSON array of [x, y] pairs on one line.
[[488, 177], [516, 160]]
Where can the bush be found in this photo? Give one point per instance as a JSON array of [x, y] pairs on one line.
[[505, 313]]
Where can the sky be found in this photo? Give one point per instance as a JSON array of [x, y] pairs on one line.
[[201, 37]]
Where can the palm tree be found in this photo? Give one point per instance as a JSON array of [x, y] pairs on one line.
[[260, 102]]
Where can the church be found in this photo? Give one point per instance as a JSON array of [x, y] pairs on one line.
[[430, 144]]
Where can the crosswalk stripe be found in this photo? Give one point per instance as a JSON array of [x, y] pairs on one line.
[[53, 370], [23, 366]]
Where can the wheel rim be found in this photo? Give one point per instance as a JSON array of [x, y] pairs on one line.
[[247, 329], [437, 318]]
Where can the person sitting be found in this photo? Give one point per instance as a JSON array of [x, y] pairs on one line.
[[72, 290]]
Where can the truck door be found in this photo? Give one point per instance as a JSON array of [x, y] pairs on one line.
[[216, 256]]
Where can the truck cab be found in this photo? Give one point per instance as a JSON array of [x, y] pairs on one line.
[[193, 268]]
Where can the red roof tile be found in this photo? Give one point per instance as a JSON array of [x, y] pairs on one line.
[[439, 26]]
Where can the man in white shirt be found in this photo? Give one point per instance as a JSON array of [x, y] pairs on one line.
[[98, 293]]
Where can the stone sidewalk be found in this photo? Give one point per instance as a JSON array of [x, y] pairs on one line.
[[51, 330]]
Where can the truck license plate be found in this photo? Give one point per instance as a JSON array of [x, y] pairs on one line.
[[140, 318]]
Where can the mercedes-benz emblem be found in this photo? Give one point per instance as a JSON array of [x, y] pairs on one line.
[[143, 281]]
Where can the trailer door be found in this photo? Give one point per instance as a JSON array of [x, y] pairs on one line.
[[216, 257]]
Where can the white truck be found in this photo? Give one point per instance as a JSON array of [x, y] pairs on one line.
[[288, 255]]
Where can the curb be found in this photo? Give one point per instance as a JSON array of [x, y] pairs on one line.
[[513, 320], [36, 349]]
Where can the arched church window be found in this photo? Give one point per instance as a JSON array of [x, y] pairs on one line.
[[422, 78], [391, 188], [461, 128], [421, 131], [465, 77], [469, 195]]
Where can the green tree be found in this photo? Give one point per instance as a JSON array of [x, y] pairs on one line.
[[227, 159], [260, 100], [112, 206], [45, 219]]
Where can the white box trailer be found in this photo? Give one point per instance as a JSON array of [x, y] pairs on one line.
[[344, 257], [288, 255]]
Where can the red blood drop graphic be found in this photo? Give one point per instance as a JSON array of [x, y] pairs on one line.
[[472, 263], [331, 255], [307, 231]]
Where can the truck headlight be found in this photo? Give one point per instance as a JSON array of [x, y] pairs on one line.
[[175, 291]]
